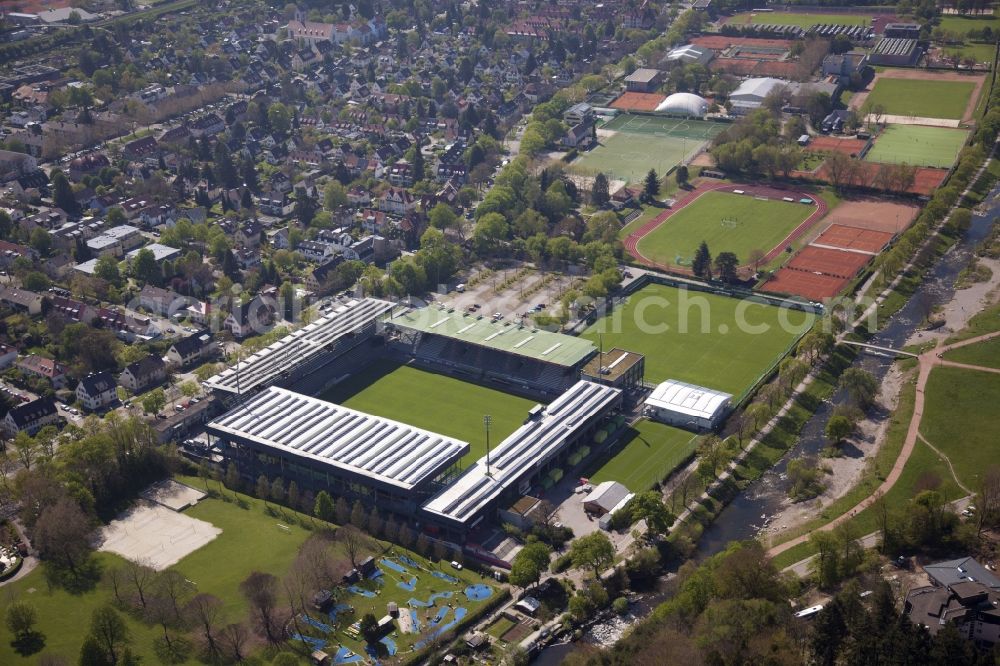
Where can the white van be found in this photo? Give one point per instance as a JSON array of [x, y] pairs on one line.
[[460, 287]]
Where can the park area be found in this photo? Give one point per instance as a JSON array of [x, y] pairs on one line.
[[703, 338], [918, 145], [646, 453], [728, 222], [432, 401]]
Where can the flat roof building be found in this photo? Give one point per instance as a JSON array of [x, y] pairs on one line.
[[618, 367], [644, 80], [321, 445], [530, 454], [303, 351], [687, 406]]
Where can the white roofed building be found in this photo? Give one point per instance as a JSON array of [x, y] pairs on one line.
[[688, 105], [687, 406], [751, 94]]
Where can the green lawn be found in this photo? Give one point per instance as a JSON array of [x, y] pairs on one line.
[[433, 401], [978, 52], [706, 339], [500, 627], [808, 20], [986, 353], [250, 541], [964, 24], [924, 99], [727, 222], [918, 145], [960, 419], [650, 452]]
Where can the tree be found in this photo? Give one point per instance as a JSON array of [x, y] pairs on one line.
[[21, 618], [204, 614], [324, 508], [109, 636], [726, 264], [651, 186], [442, 216], [41, 241], [279, 117], [278, 490], [529, 564], [369, 629], [682, 174], [594, 551], [62, 534], [356, 543], [861, 385], [107, 269], [701, 265], [359, 517], [260, 591], [599, 194], [838, 428], [334, 196], [62, 192], [649, 506], [154, 401], [145, 270]]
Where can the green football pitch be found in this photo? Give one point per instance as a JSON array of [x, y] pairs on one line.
[[802, 20], [703, 338], [433, 401], [921, 98], [651, 452], [918, 145], [728, 222]]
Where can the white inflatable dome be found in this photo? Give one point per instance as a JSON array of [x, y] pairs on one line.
[[684, 104]]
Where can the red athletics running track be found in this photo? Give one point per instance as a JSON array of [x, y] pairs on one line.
[[632, 240]]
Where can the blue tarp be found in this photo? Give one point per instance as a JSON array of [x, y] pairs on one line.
[[394, 566], [442, 575], [410, 586], [360, 590]]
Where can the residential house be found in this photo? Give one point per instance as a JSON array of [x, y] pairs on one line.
[[8, 355], [144, 374], [141, 149], [97, 390], [21, 300], [195, 348], [579, 136], [398, 201], [14, 164], [46, 368], [31, 417], [163, 302], [578, 113], [88, 165], [253, 317], [209, 124]]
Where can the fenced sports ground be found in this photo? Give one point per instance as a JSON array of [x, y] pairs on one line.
[[918, 145], [698, 337], [643, 142]]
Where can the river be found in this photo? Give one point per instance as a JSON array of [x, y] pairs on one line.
[[742, 518]]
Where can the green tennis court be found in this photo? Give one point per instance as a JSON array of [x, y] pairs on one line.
[[918, 145], [728, 222], [921, 98]]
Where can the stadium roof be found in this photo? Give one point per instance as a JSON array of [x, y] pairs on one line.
[[314, 429], [526, 449], [688, 399], [299, 346], [532, 343]]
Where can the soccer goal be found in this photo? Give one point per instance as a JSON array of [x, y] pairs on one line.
[[730, 222]]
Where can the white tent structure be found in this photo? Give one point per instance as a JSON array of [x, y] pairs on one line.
[[683, 104], [687, 405]]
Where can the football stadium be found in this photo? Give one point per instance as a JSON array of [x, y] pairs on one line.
[[277, 426]]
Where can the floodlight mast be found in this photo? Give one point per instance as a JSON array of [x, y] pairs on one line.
[[487, 420]]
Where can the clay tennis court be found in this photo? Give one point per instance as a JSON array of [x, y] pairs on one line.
[[829, 144], [854, 238], [637, 101], [887, 216], [838, 263], [807, 285], [925, 181]]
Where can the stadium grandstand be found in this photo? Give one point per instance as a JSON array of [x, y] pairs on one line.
[[512, 356], [531, 456], [303, 351], [323, 446]]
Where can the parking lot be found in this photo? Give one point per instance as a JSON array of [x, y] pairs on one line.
[[528, 291]]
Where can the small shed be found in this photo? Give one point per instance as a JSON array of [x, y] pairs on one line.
[[367, 567], [320, 658], [478, 641], [605, 497], [392, 609], [321, 600], [528, 605]]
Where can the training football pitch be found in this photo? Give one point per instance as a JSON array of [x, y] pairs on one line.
[[918, 145], [728, 222], [802, 20], [629, 157], [703, 338], [921, 98], [432, 401], [651, 451]]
